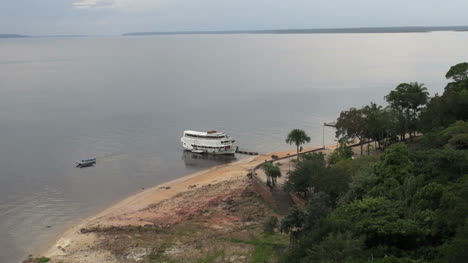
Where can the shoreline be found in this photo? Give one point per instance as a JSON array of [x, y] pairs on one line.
[[131, 211]]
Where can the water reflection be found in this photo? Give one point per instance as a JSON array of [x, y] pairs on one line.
[[196, 160]]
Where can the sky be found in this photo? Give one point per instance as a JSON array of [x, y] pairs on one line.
[[114, 17]]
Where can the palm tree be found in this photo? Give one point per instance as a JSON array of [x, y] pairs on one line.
[[298, 137]]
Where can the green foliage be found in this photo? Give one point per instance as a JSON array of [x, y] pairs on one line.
[[459, 141], [312, 172], [319, 206], [301, 179], [158, 257], [395, 163], [270, 225], [320, 157], [265, 247], [294, 221], [408, 99], [336, 248], [272, 172], [456, 249], [343, 152], [363, 180], [458, 72], [429, 197], [441, 111], [211, 256], [408, 205], [273, 156], [352, 124], [293, 224], [297, 137], [42, 259]]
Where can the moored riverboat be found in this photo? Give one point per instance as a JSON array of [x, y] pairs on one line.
[[210, 142]]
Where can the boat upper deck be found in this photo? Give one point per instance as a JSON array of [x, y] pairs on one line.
[[205, 135]]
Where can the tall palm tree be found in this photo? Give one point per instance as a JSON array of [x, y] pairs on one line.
[[298, 137]]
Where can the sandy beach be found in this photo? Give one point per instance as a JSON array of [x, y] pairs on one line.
[[161, 206]]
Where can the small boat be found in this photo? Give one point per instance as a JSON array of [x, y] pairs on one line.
[[86, 162]]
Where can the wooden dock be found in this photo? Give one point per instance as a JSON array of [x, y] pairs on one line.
[[246, 152]]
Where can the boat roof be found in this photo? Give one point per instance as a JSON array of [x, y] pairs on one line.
[[207, 133]]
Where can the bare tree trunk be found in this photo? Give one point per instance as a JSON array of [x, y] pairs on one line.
[[362, 151], [297, 150], [368, 147]]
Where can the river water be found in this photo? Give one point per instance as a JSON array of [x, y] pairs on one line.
[[126, 101]]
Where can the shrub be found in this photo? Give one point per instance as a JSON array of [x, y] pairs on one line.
[[274, 156], [42, 259], [270, 225], [459, 141]]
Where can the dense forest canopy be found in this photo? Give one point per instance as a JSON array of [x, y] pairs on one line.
[[408, 202]]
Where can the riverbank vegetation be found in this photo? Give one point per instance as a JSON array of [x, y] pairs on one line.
[[406, 203]]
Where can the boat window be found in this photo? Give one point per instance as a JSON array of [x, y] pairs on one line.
[[205, 137]]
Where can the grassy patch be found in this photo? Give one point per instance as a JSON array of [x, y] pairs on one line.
[[189, 230], [42, 259], [157, 257], [266, 247], [211, 257]]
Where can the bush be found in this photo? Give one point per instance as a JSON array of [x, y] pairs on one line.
[[270, 225], [42, 259], [459, 141], [274, 156]]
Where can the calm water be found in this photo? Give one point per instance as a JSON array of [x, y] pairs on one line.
[[126, 101]]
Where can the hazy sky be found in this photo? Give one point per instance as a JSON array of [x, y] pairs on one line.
[[41, 17]]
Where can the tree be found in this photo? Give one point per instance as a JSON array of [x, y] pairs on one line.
[[298, 137], [375, 127], [458, 72], [396, 162], [352, 124], [293, 224], [455, 250], [319, 206], [270, 225], [408, 99], [336, 248], [451, 106], [301, 179], [272, 172], [343, 152]]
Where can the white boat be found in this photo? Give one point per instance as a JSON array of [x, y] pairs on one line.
[[211, 142], [86, 162]]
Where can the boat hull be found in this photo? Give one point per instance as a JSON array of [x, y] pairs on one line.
[[81, 165], [215, 152]]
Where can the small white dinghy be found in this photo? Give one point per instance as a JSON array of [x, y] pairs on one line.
[[86, 162]]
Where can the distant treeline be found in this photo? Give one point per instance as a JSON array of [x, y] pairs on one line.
[[25, 36], [415, 29], [12, 36]]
